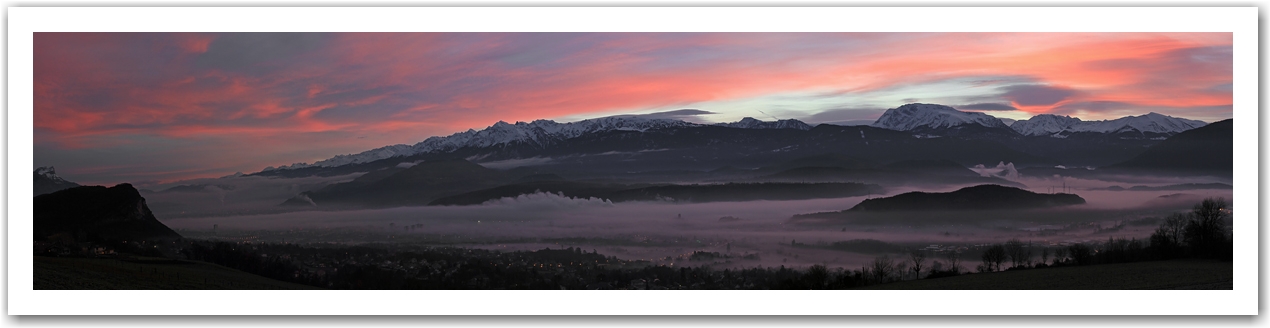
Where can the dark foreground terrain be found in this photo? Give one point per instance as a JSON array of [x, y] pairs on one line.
[[1175, 274], [90, 273]]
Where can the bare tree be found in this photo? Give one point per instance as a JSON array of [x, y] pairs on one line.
[[1174, 227], [1168, 237], [1206, 231], [882, 267], [993, 257], [1045, 255], [1018, 252], [817, 276], [919, 259], [953, 261]]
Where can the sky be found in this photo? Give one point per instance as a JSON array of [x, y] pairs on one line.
[[158, 107]]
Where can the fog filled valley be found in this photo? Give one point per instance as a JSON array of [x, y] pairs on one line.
[[637, 194], [668, 232]]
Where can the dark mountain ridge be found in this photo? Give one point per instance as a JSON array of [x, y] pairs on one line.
[[909, 132], [706, 148], [394, 186], [97, 214], [982, 197], [1205, 149]]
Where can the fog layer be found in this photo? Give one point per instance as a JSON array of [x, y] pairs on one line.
[[666, 233]]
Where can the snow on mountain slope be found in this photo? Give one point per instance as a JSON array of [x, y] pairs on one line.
[[751, 123], [48, 172], [1151, 122], [539, 132], [1054, 125], [915, 116], [1044, 124], [46, 181]]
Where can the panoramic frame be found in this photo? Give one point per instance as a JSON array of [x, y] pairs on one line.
[[633, 161]]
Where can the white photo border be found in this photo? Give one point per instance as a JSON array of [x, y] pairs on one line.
[[23, 21]]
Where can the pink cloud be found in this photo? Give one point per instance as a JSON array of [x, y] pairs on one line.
[[401, 88]]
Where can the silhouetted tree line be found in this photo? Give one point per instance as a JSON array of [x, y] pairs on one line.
[[1201, 233]]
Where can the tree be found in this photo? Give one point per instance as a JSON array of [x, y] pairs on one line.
[[1167, 239], [1020, 255], [1060, 255], [1045, 255], [882, 267], [1205, 234], [1081, 254], [817, 276], [919, 259], [1174, 227], [993, 257], [953, 258]]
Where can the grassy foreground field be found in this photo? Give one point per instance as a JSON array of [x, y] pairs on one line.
[[1176, 274], [85, 273]]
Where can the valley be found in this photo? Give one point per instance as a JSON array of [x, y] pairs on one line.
[[745, 195]]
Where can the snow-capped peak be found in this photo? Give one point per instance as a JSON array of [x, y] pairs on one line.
[[538, 133], [1053, 125], [751, 123], [1044, 124], [48, 172], [915, 116]]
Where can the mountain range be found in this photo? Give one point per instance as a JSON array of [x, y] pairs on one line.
[[1206, 149], [539, 133], [752, 123], [637, 158], [629, 158], [1061, 126], [1100, 142]]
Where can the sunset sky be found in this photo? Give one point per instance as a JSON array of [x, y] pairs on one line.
[[149, 107]]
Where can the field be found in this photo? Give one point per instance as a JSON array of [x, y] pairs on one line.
[[85, 273], [1177, 274]]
